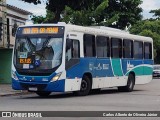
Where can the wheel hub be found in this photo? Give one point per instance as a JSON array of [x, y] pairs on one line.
[[84, 85]]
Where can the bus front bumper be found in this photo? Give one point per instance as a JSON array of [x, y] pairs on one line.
[[57, 86]]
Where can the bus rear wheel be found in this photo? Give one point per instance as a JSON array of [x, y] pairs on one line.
[[85, 86], [43, 94], [130, 84]]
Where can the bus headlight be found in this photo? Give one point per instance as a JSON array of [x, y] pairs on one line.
[[14, 76], [55, 78]]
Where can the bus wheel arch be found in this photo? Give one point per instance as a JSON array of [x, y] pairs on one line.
[[130, 83], [86, 85]]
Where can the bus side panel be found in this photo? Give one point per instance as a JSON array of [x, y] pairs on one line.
[[108, 73], [103, 73], [147, 72], [118, 78], [75, 73], [142, 69]]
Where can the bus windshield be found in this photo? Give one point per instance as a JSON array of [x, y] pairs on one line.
[[38, 53]]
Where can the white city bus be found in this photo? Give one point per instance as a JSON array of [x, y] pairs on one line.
[[60, 57]]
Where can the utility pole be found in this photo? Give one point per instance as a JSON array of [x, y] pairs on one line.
[[3, 21]]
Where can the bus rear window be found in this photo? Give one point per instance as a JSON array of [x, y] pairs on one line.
[[147, 50]]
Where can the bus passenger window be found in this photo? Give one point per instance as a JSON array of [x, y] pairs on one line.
[[68, 49], [102, 46], [72, 53], [72, 49], [89, 45], [127, 48], [116, 48], [75, 49], [138, 50], [147, 50]]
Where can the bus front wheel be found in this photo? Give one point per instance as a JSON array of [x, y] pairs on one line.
[[85, 86], [43, 94], [130, 84]]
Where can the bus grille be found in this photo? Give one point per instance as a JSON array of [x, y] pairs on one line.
[[40, 87]]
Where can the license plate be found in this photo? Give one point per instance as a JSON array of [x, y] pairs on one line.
[[32, 89]]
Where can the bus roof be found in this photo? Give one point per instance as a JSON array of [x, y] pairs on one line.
[[97, 30]]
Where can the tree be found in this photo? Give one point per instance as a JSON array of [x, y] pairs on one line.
[[156, 12], [58, 6], [123, 12], [38, 19], [33, 1], [127, 12], [92, 14], [150, 29], [118, 14], [41, 19]]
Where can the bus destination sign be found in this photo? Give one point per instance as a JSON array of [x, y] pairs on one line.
[[40, 30]]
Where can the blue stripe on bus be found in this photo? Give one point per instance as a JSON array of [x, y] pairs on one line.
[[103, 68]]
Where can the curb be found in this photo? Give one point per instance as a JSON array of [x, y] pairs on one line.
[[14, 94]]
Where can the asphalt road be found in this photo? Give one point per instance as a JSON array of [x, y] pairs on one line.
[[143, 98]]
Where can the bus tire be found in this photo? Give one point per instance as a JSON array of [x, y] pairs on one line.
[[85, 86], [43, 94], [130, 84]]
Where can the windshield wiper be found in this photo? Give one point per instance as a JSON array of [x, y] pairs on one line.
[[46, 42], [31, 47]]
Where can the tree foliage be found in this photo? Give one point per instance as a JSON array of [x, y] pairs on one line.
[[156, 12], [150, 29], [121, 12], [125, 11], [94, 12], [41, 19], [58, 6], [33, 1]]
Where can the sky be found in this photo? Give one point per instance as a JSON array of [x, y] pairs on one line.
[[35, 9], [40, 9], [149, 5]]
